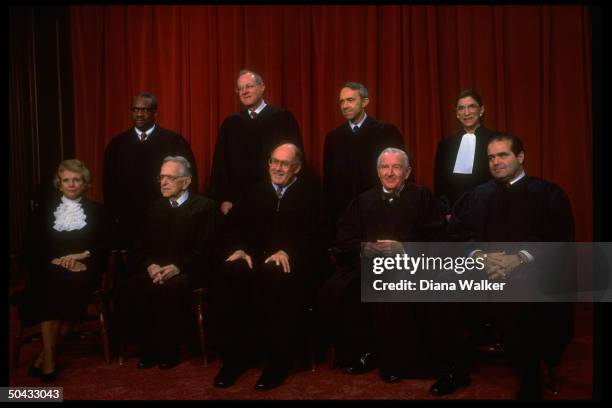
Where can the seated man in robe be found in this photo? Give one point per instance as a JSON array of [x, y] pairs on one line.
[[274, 251], [367, 335], [171, 256]]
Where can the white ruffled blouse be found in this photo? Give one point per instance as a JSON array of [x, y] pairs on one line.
[[69, 215]]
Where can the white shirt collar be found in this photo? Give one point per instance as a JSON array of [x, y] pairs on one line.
[[67, 200], [397, 192], [182, 198], [261, 107], [148, 132], [352, 125], [517, 178], [283, 189]]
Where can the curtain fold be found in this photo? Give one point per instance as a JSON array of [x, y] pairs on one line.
[[531, 64]]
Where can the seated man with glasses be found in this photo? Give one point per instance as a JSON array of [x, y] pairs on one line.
[[171, 256], [131, 161], [246, 139], [274, 252]]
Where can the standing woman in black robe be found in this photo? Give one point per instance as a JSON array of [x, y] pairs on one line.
[[65, 250]]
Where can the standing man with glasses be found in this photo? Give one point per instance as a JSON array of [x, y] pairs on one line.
[[461, 159], [131, 162], [351, 150], [171, 256], [273, 253], [245, 140]]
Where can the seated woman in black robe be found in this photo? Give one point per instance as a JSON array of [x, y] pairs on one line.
[[65, 250]]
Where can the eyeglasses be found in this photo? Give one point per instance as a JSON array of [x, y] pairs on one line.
[[171, 179], [247, 87], [282, 163], [136, 109], [473, 107], [394, 167]]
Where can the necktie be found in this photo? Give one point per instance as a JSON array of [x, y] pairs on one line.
[[355, 129], [143, 136], [253, 114], [279, 194], [173, 203]]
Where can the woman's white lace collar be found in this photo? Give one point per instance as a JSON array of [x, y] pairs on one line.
[[69, 215]]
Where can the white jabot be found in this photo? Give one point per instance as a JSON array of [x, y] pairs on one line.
[[465, 156], [69, 215]]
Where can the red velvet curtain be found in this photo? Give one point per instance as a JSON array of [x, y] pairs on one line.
[[531, 64]]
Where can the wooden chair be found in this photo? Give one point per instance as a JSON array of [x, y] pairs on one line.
[[99, 299]]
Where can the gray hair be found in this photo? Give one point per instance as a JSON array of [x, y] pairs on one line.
[[185, 165], [405, 160], [258, 79], [356, 86], [149, 96]]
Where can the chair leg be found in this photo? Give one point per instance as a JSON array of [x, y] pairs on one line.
[[103, 317], [16, 348], [200, 317], [311, 353], [121, 356], [332, 357]]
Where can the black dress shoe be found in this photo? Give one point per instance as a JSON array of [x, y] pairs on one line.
[[228, 375], [363, 365], [529, 394], [48, 377], [271, 378], [35, 371], [530, 391], [146, 362], [167, 364], [390, 378], [448, 383]]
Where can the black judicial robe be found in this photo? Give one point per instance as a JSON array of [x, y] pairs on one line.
[[261, 224], [531, 210], [182, 236], [449, 186], [349, 161], [414, 216], [243, 147], [131, 168], [55, 292], [260, 309]]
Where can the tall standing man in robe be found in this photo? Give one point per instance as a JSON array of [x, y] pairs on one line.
[[246, 139], [351, 150], [516, 207], [461, 158], [367, 335], [131, 164]]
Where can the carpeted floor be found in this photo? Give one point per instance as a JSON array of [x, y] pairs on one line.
[[85, 376]]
